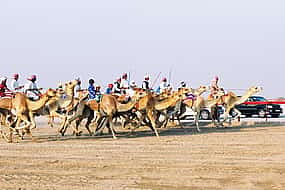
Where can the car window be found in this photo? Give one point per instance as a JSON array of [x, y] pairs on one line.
[[258, 99]]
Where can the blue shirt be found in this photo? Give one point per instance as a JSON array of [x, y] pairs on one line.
[[91, 92], [109, 90]]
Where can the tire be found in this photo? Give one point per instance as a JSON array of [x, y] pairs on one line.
[[233, 113], [205, 115], [275, 115], [261, 113]]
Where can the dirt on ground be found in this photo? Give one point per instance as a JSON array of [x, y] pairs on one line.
[[241, 157]]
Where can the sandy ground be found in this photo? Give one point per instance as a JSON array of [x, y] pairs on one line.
[[242, 157]]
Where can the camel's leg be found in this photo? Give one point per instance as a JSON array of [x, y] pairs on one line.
[[197, 114], [32, 119], [111, 125], [227, 113], [101, 125], [238, 113], [51, 121], [151, 117], [89, 120], [62, 117], [75, 129], [22, 117]]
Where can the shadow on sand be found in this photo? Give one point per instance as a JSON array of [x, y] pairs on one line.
[[188, 129]]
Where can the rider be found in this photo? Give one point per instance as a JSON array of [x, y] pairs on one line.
[[109, 89], [214, 86], [214, 90], [31, 89], [91, 90], [117, 86], [124, 83], [77, 88], [98, 94], [146, 83], [163, 85], [131, 91], [15, 83], [3, 87]]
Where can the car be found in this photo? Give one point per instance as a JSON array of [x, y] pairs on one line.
[[205, 113], [249, 108]]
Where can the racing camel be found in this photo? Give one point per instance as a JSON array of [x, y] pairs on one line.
[[24, 110], [230, 100], [108, 107], [200, 102]]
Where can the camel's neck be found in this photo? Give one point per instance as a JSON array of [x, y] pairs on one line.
[[242, 99], [36, 105], [166, 103], [197, 92], [69, 92], [212, 102], [126, 107]]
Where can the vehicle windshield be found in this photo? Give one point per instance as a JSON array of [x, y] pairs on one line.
[[257, 99]]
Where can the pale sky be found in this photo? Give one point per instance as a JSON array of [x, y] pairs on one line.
[[242, 41]]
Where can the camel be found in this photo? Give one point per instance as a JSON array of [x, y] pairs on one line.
[[198, 103], [24, 110], [107, 108], [177, 104], [230, 100], [65, 103]]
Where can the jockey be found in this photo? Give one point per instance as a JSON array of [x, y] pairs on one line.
[[109, 89], [3, 87], [131, 91], [77, 88], [117, 86], [91, 90], [124, 82], [146, 83], [163, 86], [94, 92], [98, 93], [31, 89], [214, 86], [15, 83]]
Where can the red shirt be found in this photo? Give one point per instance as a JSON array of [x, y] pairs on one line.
[[2, 90]]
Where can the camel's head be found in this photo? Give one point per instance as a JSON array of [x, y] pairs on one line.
[[51, 93], [71, 84], [254, 90], [139, 93], [203, 89], [184, 90]]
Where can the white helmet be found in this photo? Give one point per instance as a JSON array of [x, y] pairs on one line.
[[146, 77]]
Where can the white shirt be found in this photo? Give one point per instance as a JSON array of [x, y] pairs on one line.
[[76, 93], [124, 84], [15, 85], [162, 86], [31, 94]]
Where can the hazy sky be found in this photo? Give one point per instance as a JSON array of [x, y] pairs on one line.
[[241, 41]]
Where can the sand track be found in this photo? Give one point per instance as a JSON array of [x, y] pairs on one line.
[[234, 158]]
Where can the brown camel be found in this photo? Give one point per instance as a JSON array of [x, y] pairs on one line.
[[62, 103], [230, 100], [108, 107], [200, 102], [176, 106], [24, 110]]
